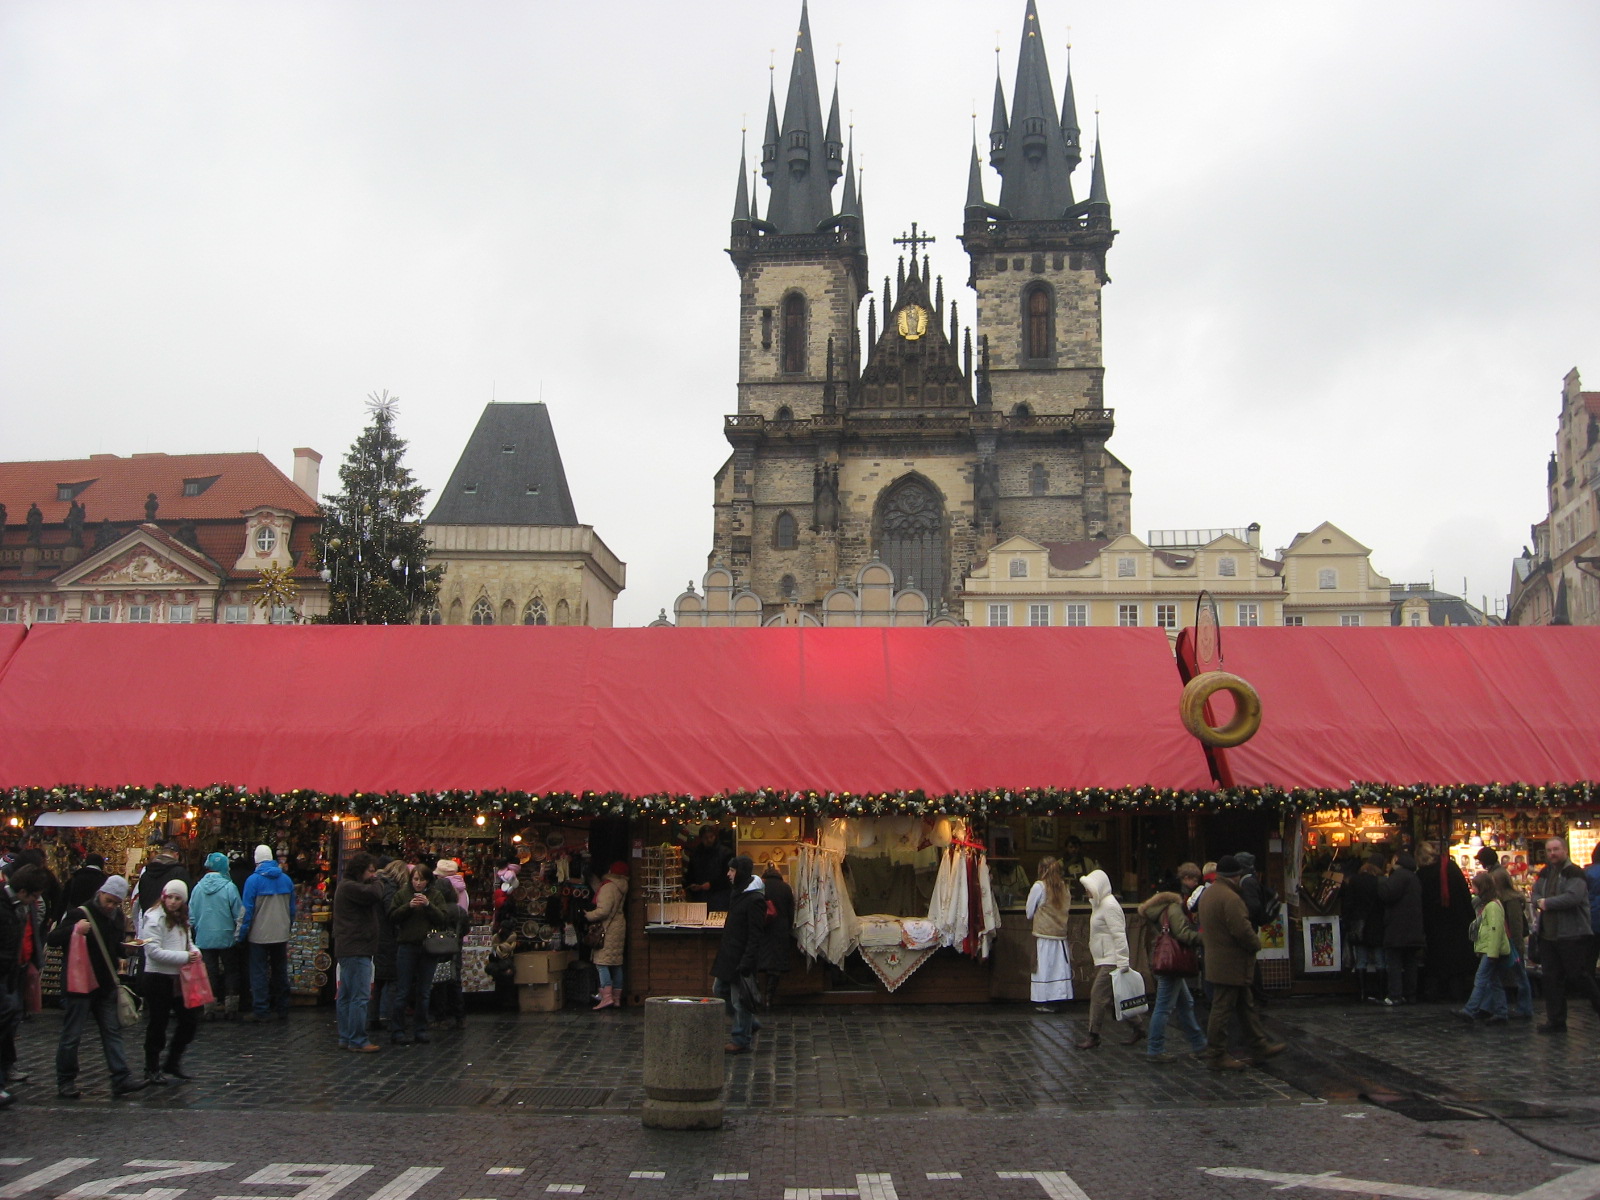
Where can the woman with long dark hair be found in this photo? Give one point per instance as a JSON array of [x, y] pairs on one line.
[[168, 948]]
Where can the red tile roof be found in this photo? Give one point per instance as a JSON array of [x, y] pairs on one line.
[[120, 485]]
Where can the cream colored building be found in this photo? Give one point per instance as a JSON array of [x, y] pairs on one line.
[[505, 531], [872, 601], [1557, 581], [1323, 578]]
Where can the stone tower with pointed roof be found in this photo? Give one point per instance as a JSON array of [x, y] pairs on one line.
[[925, 454]]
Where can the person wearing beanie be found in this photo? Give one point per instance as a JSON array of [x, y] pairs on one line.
[[733, 971], [168, 948], [609, 914], [264, 927], [449, 870], [93, 993], [215, 910], [1231, 945]]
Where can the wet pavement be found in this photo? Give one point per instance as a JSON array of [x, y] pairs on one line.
[[999, 1058]]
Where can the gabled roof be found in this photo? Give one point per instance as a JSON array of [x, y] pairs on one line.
[[182, 559], [114, 488], [509, 474]]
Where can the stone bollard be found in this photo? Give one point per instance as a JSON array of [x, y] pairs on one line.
[[683, 1063]]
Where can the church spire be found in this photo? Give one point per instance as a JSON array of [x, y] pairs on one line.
[[802, 195], [1037, 166], [998, 124], [741, 199], [848, 206], [1097, 180], [1070, 132], [975, 181], [769, 141], [832, 143]]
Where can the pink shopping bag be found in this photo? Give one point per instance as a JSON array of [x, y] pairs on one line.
[[196, 984], [80, 971]]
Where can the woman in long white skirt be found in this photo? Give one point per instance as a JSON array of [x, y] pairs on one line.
[[1048, 904]]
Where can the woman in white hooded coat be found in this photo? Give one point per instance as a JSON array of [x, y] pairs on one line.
[[1108, 946]]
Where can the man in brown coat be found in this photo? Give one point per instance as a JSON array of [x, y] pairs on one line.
[[1231, 944]]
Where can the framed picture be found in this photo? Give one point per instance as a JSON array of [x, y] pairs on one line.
[[1088, 831], [1041, 833], [1323, 950], [1001, 843]]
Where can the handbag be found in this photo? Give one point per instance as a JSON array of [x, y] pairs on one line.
[[441, 943], [1170, 956], [129, 1007], [594, 936], [195, 983]]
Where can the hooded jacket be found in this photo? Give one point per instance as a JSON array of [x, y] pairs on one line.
[[1172, 906], [740, 948], [611, 911], [1402, 915], [268, 906], [215, 908], [1108, 928]]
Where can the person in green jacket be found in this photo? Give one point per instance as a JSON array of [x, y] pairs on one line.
[[420, 904], [1488, 999]]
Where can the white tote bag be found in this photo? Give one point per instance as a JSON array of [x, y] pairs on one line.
[[1128, 989]]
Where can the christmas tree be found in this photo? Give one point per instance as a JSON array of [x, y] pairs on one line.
[[374, 557]]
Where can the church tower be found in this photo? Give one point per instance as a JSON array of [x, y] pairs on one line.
[[1038, 264], [935, 447]]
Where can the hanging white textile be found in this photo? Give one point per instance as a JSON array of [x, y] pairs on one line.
[[825, 923]]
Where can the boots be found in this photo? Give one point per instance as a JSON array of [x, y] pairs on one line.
[[608, 999], [173, 1068]]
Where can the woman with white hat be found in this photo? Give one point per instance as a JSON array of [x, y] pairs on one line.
[[168, 947]]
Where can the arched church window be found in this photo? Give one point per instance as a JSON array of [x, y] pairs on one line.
[[1021, 410], [432, 616], [788, 587], [1038, 480], [794, 333], [483, 612], [1039, 322], [535, 613], [563, 613], [785, 533], [911, 525], [785, 413]]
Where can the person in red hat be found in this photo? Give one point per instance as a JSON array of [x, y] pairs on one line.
[[610, 915]]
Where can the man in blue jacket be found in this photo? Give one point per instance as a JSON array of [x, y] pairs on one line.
[[268, 918], [215, 911]]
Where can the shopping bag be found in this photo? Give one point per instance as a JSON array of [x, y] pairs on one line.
[[195, 982], [80, 971], [1127, 987]]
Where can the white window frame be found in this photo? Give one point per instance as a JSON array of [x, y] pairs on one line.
[[11, 614], [282, 614], [1293, 621], [236, 614], [46, 614], [266, 539], [1038, 615], [999, 616], [1327, 579], [1166, 616], [141, 614], [1350, 620], [1075, 615], [1128, 616], [1416, 620], [98, 614], [1249, 614], [180, 614]]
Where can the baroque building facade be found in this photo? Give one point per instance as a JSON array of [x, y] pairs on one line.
[[158, 538], [1556, 581], [505, 531], [924, 443]]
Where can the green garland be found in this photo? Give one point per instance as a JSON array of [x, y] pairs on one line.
[[28, 802]]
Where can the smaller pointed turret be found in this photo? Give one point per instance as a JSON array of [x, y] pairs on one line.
[[832, 143], [741, 199], [848, 204], [769, 140], [872, 319], [975, 181], [1070, 133], [1097, 180], [999, 123], [755, 193]]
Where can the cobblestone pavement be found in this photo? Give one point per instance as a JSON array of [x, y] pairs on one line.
[[869, 1059]]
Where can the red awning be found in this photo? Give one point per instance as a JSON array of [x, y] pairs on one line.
[[636, 711], [10, 638], [1417, 706]]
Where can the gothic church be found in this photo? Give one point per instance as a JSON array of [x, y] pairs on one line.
[[924, 444]]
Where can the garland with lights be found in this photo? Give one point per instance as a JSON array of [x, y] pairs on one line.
[[24, 801]]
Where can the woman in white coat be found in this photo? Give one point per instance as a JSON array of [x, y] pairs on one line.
[[1108, 945], [168, 947]]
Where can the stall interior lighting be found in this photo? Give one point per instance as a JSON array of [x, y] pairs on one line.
[[516, 838], [481, 819], [190, 815]]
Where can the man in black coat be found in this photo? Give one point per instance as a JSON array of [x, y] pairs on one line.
[[733, 971], [778, 938], [1403, 934], [19, 946], [163, 867], [102, 914], [83, 883]]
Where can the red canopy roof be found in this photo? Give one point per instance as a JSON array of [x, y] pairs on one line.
[[638, 711], [1407, 706]]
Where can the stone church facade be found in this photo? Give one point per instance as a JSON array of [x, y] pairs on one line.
[[924, 443]]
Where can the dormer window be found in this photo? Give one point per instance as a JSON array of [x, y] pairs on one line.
[[533, 489], [266, 539], [71, 491], [195, 487], [508, 448], [470, 489], [1019, 568]]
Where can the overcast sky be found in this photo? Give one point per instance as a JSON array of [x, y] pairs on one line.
[[1358, 244]]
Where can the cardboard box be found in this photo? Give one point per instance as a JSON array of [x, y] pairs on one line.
[[540, 966], [540, 997]]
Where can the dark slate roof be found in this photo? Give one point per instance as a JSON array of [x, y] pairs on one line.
[[512, 452]]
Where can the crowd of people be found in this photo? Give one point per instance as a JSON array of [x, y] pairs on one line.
[[1402, 915]]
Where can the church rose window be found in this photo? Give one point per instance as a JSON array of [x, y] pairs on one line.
[[913, 537], [794, 333]]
